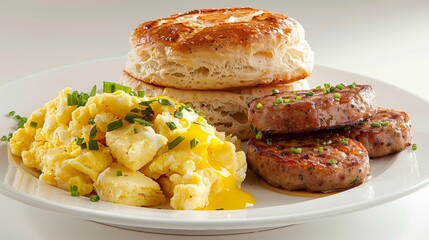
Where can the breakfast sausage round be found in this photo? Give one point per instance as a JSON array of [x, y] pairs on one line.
[[311, 110], [321, 164], [387, 132]]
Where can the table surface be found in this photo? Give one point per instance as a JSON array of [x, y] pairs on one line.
[[386, 40]]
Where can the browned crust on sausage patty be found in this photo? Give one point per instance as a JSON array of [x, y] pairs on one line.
[[303, 113], [339, 166], [391, 132]]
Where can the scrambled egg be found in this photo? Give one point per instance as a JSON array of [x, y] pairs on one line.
[[135, 151]]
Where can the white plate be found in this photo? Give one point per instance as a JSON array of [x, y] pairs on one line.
[[392, 177]]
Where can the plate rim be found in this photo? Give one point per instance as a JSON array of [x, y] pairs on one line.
[[191, 224]]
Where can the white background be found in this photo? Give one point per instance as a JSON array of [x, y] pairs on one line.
[[386, 40]]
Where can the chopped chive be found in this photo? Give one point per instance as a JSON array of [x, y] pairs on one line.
[[93, 145], [140, 93], [117, 87], [320, 149], [82, 99], [73, 188], [201, 124], [6, 138], [136, 130], [375, 124], [33, 124], [337, 95], [259, 105], [259, 135], [332, 89], [135, 110], [296, 150], [132, 93], [142, 122], [119, 173], [298, 98], [171, 125], [332, 161], [79, 141], [21, 121], [327, 86], [108, 87], [414, 146], [147, 111], [130, 117], [93, 133], [83, 146], [362, 123], [294, 92], [278, 101], [199, 113], [187, 108], [114, 125], [175, 142], [275, 91], [111, 87], [353, 85], [166, 102], [11, 113], [194, 142], [309, 94], [385, 123], [344, 140], [269, 141], [318, 87], [178, 114], [286, 100], [72, 99], [91, 121], [94, 198], [340, 86], [74, 193], [146, 103], [93, 91]]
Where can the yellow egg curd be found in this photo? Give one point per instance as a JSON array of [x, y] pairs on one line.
[[134, 150]]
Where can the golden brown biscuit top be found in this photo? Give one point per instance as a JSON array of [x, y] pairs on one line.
[[215, 28]]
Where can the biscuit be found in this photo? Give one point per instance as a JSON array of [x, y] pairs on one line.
[[219, 49]]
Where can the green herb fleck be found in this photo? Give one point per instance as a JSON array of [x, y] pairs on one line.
[[91, 121], [94, 198], [166, 102], [296, 150], [194, 142], [93, 145], [259, 135], [175, 142], [114, 125], [171, 125], [33, 124]]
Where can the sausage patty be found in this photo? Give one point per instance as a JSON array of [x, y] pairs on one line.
[[324, 164], [387, 132], [311, 110]]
